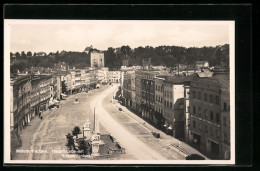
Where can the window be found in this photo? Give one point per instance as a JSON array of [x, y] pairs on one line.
[[167, 104], [206, 129], [211, 98], [170, 94], [211, 131], [194, 109], [206, 113], [170, 104], [211, 115], [188, 109], [199, 95], [217, 117], [200, 126], [218, 133], [224, 121], [225, 106], [194, 94], [164, 102], [194, 124], [199, 111], [205, 97], [217, 100]]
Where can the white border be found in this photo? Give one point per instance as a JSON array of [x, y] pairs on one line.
[[8, 23]]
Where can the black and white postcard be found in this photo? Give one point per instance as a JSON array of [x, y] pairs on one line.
[[119, 91]]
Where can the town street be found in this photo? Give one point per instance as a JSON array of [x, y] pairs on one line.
[[128, 129]]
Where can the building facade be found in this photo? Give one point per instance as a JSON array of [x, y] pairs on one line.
[[159, 102], [114, 76], [97, 59], [20, 103], [206, 114]]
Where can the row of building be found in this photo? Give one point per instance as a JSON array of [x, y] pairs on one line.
[[37, 88], [193, 107]]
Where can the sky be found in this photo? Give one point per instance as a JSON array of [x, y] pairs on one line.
[[75, 35]]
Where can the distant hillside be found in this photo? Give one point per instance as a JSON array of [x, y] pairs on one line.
[[167, 55], [161, 55]]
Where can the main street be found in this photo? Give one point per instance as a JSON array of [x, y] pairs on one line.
[[129, 130]]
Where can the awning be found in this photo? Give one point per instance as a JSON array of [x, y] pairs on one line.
[[51, 103], [56, 101], [64, 95], [170, 127]]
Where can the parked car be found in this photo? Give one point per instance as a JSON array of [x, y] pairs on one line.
[[194, 157], [156, 134], [120, 109]]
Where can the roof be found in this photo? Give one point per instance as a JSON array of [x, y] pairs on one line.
[[224, 80], [180, 79], [205, 73], [220, 79]]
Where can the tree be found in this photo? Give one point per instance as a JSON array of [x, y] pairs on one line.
[[70, 141], [17, 54], [76, 131], [84, 146], [11, 55], [34, 54], [126, 50], [23, 55], [29, 54]]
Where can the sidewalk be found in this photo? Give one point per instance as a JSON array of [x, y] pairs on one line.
[[184, 148], [26, 136]]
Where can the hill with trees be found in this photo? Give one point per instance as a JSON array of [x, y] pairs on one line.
[[161, 55]]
